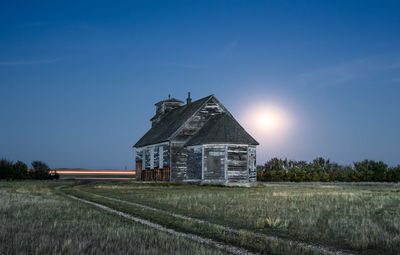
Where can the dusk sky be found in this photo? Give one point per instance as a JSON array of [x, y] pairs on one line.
[[79, 80]]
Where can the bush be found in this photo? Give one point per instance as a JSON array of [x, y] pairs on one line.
[[393, 174], [40, 171], [6, 168], [19, 171], [324, 170]]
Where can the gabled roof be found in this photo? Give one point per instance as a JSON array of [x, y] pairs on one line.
[[222, 128], [171, 122]]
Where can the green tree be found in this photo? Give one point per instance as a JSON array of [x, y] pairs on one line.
[[371, 170], [6, 168], [40, 170], [20, 170], [393, 174]]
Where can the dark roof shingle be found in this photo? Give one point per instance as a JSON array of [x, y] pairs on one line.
[[222, 128], [170, 123]]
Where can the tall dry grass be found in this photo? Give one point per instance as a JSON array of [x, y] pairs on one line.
[[36, 220], [362, 218]]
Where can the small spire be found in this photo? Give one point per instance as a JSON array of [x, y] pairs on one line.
[[169, 96], [188, 99]]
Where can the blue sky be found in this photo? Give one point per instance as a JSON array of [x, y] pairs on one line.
[[79, 79]]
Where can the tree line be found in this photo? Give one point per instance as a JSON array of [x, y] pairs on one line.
[[324, 170], [19, 171]]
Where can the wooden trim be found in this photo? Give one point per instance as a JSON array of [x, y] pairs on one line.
[[138, 170], [202, 162], [226, 163], [248, 164]]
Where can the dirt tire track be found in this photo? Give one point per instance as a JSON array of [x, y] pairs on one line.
[[320, 248], [229, 248]]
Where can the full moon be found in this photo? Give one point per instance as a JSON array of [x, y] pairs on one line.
[[268, 120]]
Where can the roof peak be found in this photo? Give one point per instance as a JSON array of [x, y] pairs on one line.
[[170, 122]]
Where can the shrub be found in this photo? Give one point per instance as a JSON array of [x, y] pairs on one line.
[[6, 168], [40, 171], [393, 174], [20, 170], [324, 170]]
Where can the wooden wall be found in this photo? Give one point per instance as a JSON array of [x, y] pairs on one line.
[[148, 168], [178, 162], [198, 120], [219, 163], [194, 163], [233, 163], [138, 170], [252, 164], [179, 155], [214, 163], [237, 163]]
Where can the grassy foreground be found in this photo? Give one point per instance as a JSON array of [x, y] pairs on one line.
[[364, 219], [36, 219]]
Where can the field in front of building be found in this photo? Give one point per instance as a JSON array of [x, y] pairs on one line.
[[36, 218], [305, 218], [356, 218]]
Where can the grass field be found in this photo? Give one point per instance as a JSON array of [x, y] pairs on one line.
[[359, 218], [275, 219], [36, 219]]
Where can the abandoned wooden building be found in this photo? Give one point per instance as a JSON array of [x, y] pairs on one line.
[[198, 141]]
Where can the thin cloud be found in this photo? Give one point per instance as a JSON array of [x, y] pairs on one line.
[[29, 62], [361, 70]]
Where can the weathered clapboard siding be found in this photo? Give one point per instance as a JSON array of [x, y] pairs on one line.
[[156, 158], [149, 156], [146, 153], [138, 156], [252, 164], [195, 123], [198, 120], [194, 163], [197, 141], [178, 162], [237, 163], [214, 162], [166, 155]]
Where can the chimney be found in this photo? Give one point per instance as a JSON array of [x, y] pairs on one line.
[[188, 99]]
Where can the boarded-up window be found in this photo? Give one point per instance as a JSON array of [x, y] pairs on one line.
[[214, 163]]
